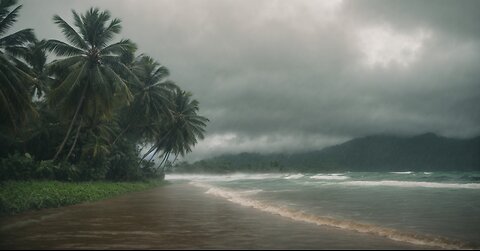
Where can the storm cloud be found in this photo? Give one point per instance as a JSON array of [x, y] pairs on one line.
[[275, 75]]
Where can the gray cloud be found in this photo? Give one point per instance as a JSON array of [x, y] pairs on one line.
[[291, 76]]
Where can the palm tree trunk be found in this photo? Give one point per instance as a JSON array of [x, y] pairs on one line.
[[153, 147], [176, 156], [153, 155], [146, 154], [75, 141], [121, 133], [80, 103], [163, 160]]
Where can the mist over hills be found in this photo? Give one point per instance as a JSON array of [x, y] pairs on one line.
[[425, 152]]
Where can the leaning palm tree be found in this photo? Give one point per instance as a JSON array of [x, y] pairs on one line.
[[186, 128], [89, 72], [15, 101], [152, 98]]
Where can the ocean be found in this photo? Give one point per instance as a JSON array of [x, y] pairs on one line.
[[433, 209]]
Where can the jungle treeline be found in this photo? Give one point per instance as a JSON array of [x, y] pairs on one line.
[[88, 107]]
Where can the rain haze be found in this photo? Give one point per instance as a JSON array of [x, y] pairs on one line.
[[244, 124], [289, 76]]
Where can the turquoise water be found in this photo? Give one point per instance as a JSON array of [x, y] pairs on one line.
[[438, 209]]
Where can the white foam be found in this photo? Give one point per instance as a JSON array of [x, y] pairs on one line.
[[227, 177], [427, 173], [251, 192], [393, 234], [329, 177], [409, 172], [396, 183], [294, 176]]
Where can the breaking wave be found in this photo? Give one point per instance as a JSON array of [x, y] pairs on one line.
[[297, 215], [294, 176], [396, 183], [334, 176], [228, 177], [408, 172]]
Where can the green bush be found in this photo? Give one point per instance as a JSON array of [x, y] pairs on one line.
[[19, 196], [122, 165], [92, 169], [17, 167], [46, 169], [65, 171]]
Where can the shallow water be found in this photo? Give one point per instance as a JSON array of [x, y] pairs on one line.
[[440, 210], [177, 216]]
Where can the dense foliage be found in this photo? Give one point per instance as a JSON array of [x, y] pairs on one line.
[[89, 113]]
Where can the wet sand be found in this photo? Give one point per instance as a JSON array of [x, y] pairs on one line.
[[176, 216]]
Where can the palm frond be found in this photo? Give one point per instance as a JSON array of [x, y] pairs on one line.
[[59, 66], [113, 28], [62, 49], [124, 46], [8, 21], [18, 38], [70, 33], [17, 51], [121, 87], [69, 84]]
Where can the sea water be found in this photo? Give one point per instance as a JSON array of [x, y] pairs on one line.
[[435, 209]]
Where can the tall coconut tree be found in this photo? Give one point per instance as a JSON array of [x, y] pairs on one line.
[[152, 101], [15, 101], [90, 82], [186, 128]]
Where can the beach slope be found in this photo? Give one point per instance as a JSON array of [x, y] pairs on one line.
[[175, 216]]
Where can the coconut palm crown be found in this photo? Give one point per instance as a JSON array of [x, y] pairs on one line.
[[90, 83], [15, 100]]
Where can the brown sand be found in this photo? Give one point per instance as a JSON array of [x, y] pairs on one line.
[[176, 216]]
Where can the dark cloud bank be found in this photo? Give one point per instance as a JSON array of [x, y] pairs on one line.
[[299, 75]]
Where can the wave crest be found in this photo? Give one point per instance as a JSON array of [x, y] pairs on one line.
[[393, 234], [329, 177], [412, 184]]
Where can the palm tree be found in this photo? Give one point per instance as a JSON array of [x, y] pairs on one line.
[[152, 98], [15, 101], [187, 126], [35, 57], [90, 82]]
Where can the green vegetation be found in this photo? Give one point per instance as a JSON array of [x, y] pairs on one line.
[[88, 114], [426, 152], [20, 196]]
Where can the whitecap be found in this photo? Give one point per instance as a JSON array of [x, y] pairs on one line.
[[396, 183], [297, 215], [329, 177], [226, 177], [294, 176]]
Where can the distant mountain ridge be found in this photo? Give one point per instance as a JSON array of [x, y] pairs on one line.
[[425, 152]]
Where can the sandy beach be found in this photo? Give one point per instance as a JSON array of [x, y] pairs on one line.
[[176, 216]]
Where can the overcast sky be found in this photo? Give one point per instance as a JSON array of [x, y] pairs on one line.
[[300, 75]]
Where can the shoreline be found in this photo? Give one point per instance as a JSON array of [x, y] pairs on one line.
[[175, 216]]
